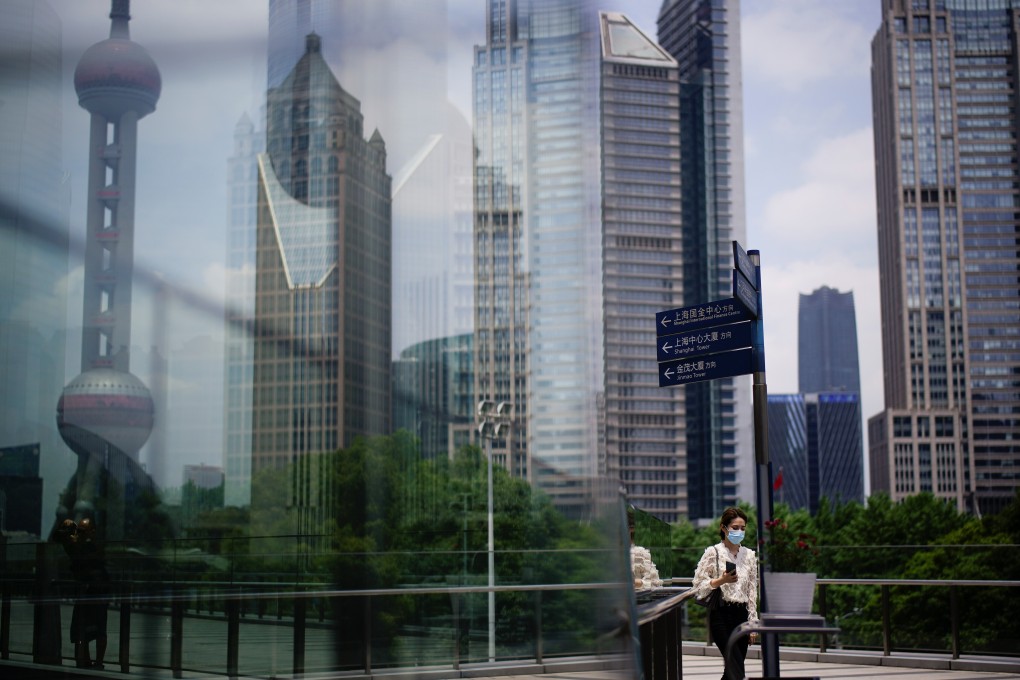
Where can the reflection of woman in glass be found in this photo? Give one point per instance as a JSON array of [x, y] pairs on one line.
[[643, 569], [738, 583], [88, 619]]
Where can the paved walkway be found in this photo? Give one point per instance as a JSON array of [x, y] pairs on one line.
[[710, 668]]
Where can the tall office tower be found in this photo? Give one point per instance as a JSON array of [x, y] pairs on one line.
[[788, 448], [538, 330], [815, 440], [641, 265], [392, 54], [322, 282], [239, 356], [34, 200], [827, 342], [944, 79], [106, 414], [704, 37]]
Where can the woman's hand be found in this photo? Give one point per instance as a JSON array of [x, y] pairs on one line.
[[727, 577]]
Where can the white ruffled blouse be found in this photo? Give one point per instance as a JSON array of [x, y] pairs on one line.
[[713, 564]]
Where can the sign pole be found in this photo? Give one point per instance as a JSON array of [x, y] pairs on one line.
[[762, 470]]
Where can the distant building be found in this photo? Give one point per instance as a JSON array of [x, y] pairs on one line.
[[815, 445], [433, 396], [642, 269], [20, 490], [944, 82], [827, 342], [322, 283], [704, 38], [203, 476]]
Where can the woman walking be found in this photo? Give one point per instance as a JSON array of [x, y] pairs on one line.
[[733, 569]]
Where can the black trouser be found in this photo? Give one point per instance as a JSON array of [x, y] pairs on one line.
[[722, 621]]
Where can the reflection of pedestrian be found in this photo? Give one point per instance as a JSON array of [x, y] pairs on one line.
[[642, 568], [88, 566]]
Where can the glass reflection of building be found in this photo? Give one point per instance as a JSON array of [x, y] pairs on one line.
[[433, 395], [34, 200], [815, 440], [944, 89], [537, 242], [106, 414], [641, 265], [394, 55], [704, 37], [242, 190], [322, 282]]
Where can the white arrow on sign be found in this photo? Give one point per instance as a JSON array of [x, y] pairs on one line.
[[666, 321], [667, 347], [668, 373]]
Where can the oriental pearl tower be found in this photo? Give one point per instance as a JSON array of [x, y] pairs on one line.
[[106, 414]]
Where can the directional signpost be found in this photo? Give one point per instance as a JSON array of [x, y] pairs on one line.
[[705, 341], [722, 339]]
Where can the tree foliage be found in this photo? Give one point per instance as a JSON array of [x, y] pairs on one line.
[[921, 537]]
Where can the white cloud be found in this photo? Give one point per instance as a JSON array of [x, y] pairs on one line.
[[833, 210], [794, 43]]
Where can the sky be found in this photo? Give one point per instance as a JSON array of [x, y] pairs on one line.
[[809, 168]]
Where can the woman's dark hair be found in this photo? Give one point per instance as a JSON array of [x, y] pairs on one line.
[[728, 515]]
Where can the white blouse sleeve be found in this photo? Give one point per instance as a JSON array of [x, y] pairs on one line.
[[707, 569]]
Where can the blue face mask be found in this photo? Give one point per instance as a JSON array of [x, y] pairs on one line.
[[735, 537]]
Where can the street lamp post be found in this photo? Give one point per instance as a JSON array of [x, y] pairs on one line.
[[491, 423]]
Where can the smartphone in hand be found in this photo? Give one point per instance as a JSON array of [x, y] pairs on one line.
[[731, 567]]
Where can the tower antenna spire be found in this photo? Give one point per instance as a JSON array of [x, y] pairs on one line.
[[120, 15]]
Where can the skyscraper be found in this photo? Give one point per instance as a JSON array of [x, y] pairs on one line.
[[827, 342], [641, 265], [943, 74], [393, 55], [815, 441], [704, 38], [34, 200], [242, 188], [322, 282], [538, 326]]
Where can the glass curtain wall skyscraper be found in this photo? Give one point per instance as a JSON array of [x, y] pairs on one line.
[[538, 333], [827, 342], [704, 38], [322, 282], [641, 265], [944, 84], [815, 447]]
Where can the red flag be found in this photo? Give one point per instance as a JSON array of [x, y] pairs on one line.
[[779, 480]]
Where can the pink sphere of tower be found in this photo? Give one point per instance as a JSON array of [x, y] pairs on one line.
[[117, 74], [112, 405]]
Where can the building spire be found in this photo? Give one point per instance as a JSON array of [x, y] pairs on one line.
[[120, 15]]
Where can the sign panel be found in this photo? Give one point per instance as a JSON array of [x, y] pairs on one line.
[[743, 264], [745, 293], [697, 369], [706, 341], [710, 314]]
